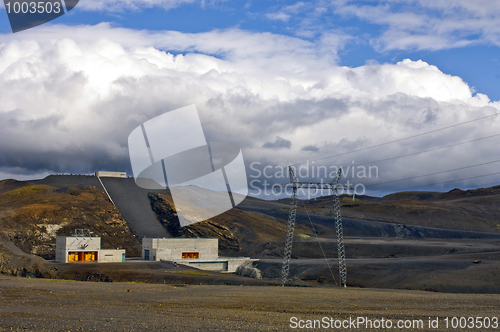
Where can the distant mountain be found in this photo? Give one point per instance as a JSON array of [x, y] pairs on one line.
[[472, 210]]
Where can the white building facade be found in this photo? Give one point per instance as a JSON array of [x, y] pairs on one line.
[[106, 174], [199, 253], [85, 249]]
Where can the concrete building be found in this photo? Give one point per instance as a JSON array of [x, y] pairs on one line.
[[199, 253], [105, 174], [85, 249]]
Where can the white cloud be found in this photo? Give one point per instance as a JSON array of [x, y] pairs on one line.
[[137, 5], [121, 5], [286, 12], [22, 174], [70, 100], [429, 24], [279, 16], [295, 8]]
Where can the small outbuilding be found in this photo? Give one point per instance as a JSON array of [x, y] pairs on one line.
[[200, 253], [106, 174], [85, 249]]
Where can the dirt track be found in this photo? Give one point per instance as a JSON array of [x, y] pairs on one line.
[[55, 305]]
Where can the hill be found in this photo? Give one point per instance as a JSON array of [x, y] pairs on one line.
[[409, 234], [472, 210], [31, 216], [131, 200], [240, 232]]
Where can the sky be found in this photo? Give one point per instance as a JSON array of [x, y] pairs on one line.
[[321, 83]]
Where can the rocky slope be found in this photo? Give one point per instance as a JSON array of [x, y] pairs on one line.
[[472, 210], [31, 216], [239, 232]]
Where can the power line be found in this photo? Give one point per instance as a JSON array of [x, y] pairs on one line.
[[436, 183], [319, 242], [429, 150], [441, 172], [436, 173], [496, 183], [399, 140], [433, 149]]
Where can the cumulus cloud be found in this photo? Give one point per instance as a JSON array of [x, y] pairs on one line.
[[69, 102]]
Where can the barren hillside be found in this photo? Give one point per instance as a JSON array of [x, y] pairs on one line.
[[425, 240], [472, 210], [31, 216]]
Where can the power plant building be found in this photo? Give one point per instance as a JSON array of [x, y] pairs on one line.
[[85, 249], [199, 253], [106, 174]]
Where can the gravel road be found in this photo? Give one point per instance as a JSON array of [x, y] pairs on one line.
[[56, 305]]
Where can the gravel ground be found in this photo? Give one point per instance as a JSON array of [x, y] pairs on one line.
[[59, 305]]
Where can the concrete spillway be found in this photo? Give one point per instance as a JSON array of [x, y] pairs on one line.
[[131, 200]]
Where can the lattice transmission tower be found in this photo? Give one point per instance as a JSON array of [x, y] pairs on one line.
[[334, 186]]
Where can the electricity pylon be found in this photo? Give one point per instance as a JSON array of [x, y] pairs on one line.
[[334, 186]]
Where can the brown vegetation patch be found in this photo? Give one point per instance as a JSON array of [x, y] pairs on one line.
[[73, 207], [38, 210]]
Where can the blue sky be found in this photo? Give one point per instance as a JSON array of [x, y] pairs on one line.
[[277, 71]]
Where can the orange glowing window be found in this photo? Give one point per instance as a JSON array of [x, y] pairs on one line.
[[82, 256], [190, 255], [90, 256], [72, 257]]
